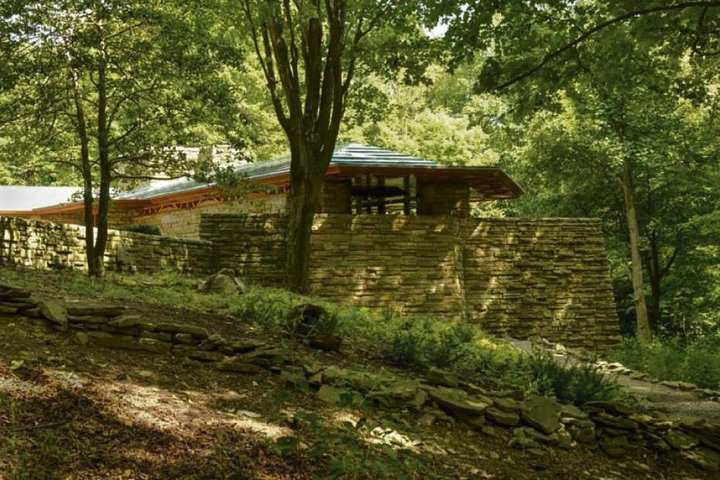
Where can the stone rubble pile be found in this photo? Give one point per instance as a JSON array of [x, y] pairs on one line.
[[531, 422]]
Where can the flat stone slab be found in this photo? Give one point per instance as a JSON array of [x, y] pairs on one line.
[[542, 413], [458, 402], [199, 332], [96, 310], [54, 312], [237, 366]]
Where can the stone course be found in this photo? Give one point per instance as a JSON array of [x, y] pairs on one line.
[[516, 277], [45, 245]]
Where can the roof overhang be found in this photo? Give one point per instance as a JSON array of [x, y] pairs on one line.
[[489, 183]]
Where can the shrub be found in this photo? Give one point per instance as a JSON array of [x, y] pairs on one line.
[[146, 229], [571, 383], [696, 361]]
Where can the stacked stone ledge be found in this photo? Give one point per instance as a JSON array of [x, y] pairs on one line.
[[530, 422], [111, 326]]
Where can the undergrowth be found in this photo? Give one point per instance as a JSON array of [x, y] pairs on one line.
[[406, 341], [696, 361]]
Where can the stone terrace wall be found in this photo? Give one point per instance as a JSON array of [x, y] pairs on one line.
[[512, 276], [46, 245], [185, 222]]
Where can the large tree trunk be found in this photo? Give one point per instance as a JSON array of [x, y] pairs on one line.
[[105, 173], [303, 202], [81, 127], [641, 314]]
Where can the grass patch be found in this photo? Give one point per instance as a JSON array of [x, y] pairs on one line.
[[696, 361], [412, 341]]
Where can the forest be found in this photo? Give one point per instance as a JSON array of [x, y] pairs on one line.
[[596, 109]]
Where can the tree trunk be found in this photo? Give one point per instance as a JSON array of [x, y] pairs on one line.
[[303, 202], [105, 169], [641, 314], [86, 174], [655, 277]]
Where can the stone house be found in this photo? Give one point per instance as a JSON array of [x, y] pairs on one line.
[[394, 232], [360, 179]]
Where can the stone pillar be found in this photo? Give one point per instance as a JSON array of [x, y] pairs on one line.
[[443, 198]]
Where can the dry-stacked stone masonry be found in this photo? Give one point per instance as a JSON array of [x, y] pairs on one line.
[[516, 277], [45, 245]]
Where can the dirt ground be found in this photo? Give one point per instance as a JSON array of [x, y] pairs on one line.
[[69, 411]]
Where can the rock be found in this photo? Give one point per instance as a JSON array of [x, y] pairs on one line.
[[183, 349], [88, 319], [185, 338], [82, 338], [506, 404], [703, 458], [615, 446], [154, 346], [159, 336], [522, 440], [458, 402], [490, 431], [472, 420], [565, 439], [331, 395], [198, 332], [205, 356], [8, 292], [616, 408], [132, 321], [571, 411], [308, 319], [325, 341], [127, 342], [442, 378], [542, 413], [680, 440], [426, 420], [581, 430], [518, 395], [439, 415], [244, 346], [235, 365], [678, 385], [615, 422], [399, 393], [96, 310], [360, 381], [224, 283], [265, 356], [503, 418], [54, 312]]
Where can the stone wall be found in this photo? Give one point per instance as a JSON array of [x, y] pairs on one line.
[[517, 277], [185, 222], [45, 245]]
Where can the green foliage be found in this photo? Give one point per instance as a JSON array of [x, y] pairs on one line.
[[571, 383], [407, 341], [146, 229], [342, 451], [696, 361]]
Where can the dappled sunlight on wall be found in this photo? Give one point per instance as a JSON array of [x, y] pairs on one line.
[[517, 277]]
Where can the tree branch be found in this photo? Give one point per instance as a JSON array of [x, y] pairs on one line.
[[601, 26]]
